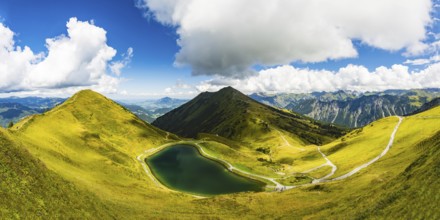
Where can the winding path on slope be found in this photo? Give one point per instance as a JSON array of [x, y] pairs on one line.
[[385, 151], [278, 186], [329, 163], [286, 142]]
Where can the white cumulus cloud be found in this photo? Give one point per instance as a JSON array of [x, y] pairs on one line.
[[228, 37], [79, 59], [15, 62], [288, 79], [116, 67]]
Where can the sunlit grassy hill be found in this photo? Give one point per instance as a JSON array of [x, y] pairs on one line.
[[404, 183], [83, 155], [92, 142], [29, 190]]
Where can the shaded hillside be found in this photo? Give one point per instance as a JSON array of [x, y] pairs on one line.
[[432, 104], [231, 114]]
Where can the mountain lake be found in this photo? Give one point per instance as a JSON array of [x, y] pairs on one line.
[[182, 167]]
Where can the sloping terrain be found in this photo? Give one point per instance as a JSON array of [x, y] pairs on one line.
[[91, 144], [429, 105], [29, 190], [230, 114], [404, 183]]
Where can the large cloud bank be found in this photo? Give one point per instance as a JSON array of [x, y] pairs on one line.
[[228, 37], [80, 59], [288, 79]]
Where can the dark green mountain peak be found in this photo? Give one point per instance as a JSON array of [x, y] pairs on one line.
[[231, 114]]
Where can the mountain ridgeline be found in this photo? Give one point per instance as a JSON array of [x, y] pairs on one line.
[[230, 114], [83, 160], [351, 109], [356, 112], [75, 160], [429, 105]]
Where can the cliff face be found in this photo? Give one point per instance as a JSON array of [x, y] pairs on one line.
[[359, 111], [348, 108]]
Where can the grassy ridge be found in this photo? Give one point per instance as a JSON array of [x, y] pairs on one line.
[[90, 143], [93, 142]]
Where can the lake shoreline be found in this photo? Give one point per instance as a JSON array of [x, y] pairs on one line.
[[202, 154]]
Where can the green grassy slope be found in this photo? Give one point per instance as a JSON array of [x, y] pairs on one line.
[[29, 190], [271, 139], [92, 144], [403, 184], [360, 145]]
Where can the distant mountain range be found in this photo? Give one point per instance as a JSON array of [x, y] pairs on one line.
[[162, 103], [351, 109], [149, 110], [345, 108], [14, 108], [34, 102]]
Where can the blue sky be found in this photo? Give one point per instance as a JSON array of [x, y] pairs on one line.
[[244, 62], [151, 69]]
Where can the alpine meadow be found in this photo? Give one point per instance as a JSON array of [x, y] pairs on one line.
[[222, 109]]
